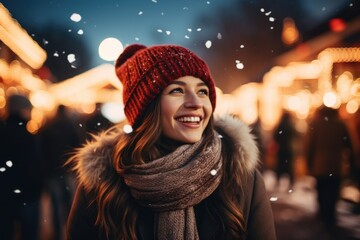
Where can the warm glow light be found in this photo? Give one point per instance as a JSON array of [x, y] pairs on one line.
[[42, 99], [290, 34], [337, 25], [97, 77], [343, 86], [227, 103], [32, 126], [355, 88], [245, 102], [110, 49], [304, 104], [17, 39], [330, 99], [113, 111], [270, 108], [87, 107], [352, 106], [292, 103]]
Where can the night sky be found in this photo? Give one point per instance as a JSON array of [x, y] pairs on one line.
[[240, 31]]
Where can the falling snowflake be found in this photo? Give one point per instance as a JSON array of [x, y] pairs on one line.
[[239, 65], [127, 128], [9, 163], [140, 13], [56, 54], [208, 44], [219, 36], [80, 32], [71, 58], [75, 17]]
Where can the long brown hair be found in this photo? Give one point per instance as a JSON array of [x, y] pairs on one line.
[[118, 213]]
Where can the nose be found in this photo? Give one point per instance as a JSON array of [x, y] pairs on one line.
[[192, 101]]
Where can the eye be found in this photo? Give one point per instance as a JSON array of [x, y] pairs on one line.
[[176, 90], [204, 91]]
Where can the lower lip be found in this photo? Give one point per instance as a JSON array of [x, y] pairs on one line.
[[190, 125]]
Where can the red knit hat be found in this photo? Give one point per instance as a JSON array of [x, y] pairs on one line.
[[146, 71]]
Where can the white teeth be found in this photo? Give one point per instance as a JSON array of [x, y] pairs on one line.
[[189, 119]]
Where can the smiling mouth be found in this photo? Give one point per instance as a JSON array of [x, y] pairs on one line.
[[192, 119]]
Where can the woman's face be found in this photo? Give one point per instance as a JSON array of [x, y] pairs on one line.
[[185, 109]]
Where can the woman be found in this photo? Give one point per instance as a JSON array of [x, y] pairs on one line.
[[179, 174]]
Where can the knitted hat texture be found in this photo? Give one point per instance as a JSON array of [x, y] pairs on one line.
[[146, 71]]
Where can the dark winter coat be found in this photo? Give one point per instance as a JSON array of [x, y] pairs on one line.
[[328, 144], [255, 203]]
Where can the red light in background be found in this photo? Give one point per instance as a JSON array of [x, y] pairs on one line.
[[337, 25]]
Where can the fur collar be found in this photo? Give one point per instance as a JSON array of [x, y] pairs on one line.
[[93, 160]]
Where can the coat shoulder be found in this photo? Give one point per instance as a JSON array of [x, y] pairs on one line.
[[93, 161], [240, 133]]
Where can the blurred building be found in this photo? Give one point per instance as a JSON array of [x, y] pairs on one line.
[[22, 71]]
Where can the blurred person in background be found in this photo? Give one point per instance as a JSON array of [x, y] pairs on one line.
[[328, 149], [284, 136], [180, 174], [356, 166], [59, 139], [21, 174]]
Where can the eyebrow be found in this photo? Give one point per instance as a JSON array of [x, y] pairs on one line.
[[181, 83]]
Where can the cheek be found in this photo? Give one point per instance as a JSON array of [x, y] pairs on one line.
[[208, 107], [168, 110]]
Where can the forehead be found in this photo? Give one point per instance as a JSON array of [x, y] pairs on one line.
[[188, 80]]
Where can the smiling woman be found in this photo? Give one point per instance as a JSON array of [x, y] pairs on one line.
[[181, 173]]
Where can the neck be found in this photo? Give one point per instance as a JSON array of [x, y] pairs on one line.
[[167, 145]]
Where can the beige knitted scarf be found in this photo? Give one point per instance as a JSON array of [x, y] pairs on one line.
[[173, 184]]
